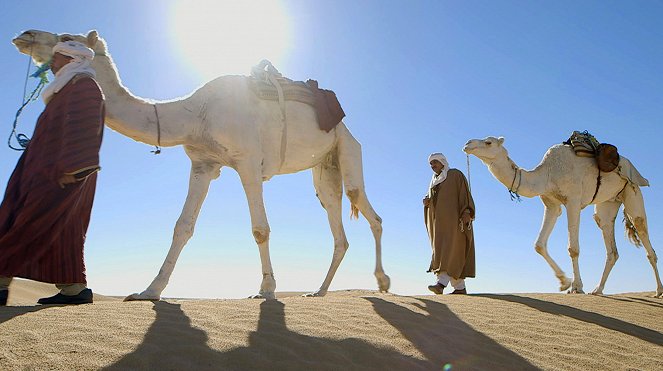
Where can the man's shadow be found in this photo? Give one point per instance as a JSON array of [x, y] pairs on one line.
[[9, 312], [444, 339], [173, 343], [627, 328]]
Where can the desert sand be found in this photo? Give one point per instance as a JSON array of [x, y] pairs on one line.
[[346, 330]]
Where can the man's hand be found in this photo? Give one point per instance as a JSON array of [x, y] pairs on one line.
[[66, 179], [426, 201], [466, 218]]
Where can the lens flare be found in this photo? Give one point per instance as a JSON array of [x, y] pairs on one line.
[[220, 37]]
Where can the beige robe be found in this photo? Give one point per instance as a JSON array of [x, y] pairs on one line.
[[453, 250]]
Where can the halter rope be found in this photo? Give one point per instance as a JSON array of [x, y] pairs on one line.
[[21, 138]]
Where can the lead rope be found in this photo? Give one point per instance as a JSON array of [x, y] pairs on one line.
[[21, 138], [469, 189]]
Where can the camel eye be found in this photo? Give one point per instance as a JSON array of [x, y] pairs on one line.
[[488, 143]]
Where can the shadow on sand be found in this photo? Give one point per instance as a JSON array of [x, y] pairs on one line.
[[443, 338], [172, 342], [9, 312], [640, 332]]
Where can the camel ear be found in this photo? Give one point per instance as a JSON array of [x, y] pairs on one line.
[[92, 38], [501, 140]]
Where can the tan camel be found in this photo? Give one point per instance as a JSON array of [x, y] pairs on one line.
[[223, 123], [562, 178]]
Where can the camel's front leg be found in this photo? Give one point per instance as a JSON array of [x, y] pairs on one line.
[[604, 215], [200, 177], [573, 217], [252, 182], [552, 210]]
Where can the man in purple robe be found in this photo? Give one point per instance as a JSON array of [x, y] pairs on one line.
[[46, 209]]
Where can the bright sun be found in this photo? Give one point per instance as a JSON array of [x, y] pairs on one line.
[[222, 37]]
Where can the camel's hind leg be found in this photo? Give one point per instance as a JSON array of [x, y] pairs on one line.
[[604, 215], [349, 156], [202, 173], [634, 207], [329, 189]]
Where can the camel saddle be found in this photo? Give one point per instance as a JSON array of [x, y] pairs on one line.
[[268, 83], [585, 145]]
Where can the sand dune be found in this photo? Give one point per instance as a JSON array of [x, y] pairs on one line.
[[346, 330]]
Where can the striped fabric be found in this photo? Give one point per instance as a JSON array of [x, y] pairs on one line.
[[43, 226]]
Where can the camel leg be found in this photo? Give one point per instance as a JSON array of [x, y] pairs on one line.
[[202, 173], [604, 215], [251, 177], [573, 218], [329, 189], [552, 210], [634, 206], [349, 156]]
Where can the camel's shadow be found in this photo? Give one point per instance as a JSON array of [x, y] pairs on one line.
[[444, 339], [640, 332], [171, 340]]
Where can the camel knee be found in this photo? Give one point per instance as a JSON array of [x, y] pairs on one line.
[[261, 234], [540, 249], [613, 256], [341, 246], [640, 225], [184, 230], [574, 251], [652, 257]]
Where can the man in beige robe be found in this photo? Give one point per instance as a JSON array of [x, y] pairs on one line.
[[448, 214]]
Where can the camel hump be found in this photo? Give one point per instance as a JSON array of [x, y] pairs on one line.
[[627, 171]]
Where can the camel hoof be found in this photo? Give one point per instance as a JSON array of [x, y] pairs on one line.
[[597, 292], [575, 291], [264, 295], [142, 297], [317, 294], [384, 282], [659, 293], [565, 283]]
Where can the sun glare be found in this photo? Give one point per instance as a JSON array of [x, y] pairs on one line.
[[222, 37]]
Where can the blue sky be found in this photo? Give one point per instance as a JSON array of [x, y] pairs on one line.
[[413, 78]]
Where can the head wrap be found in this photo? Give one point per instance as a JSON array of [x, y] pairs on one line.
[[81, 63], [438, 178]]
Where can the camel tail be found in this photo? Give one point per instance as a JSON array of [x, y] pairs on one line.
[[631, 232], [354, 211]]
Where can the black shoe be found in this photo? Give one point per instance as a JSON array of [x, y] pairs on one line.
[[460, 292], [4, 294], [83, 297], [437, 288]]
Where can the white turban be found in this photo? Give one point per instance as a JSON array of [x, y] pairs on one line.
[[81, 63], [438, 178]]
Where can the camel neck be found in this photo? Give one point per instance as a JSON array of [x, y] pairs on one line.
[[135, 117], [526, 183]]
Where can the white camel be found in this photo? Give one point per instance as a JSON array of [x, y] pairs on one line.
[[224, 123], [562, 178]]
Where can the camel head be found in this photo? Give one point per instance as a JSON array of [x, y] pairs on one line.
[[487, 149], [39, 44]]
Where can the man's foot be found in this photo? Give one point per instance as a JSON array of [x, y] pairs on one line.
[[83, 297], [459, 292], [4, 294], [437, 288]]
